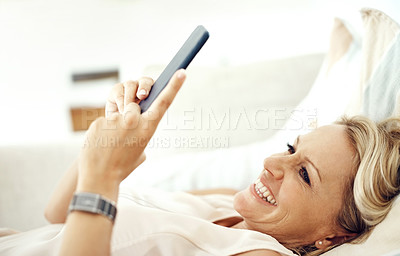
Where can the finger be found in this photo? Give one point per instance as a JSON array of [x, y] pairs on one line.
[[111, 108], [131, 115], [164, 100], [130, 88], [141, 159], [145, 84], [115, 101]]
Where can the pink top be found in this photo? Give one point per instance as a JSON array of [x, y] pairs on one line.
[[156, 222]]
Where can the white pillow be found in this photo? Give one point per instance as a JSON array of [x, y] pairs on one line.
[[384, 238], [380, 82], [333, 91]]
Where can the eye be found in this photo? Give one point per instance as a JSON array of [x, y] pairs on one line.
[[290, 149], [304, 175], [303, 171]]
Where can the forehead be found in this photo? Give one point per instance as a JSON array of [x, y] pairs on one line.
[[329, 148], [332, 135]]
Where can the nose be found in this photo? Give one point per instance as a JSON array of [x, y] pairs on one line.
[[277, 166]]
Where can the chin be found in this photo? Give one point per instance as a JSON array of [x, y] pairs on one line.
[[239, 201], [244, 202]]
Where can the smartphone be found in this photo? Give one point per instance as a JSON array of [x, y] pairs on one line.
[[182, 59]]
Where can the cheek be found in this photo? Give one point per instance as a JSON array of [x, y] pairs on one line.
[[304, 208], [291, 191], [296, 201]]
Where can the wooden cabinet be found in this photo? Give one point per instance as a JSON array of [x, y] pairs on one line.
[[89, 91], [83, 117]]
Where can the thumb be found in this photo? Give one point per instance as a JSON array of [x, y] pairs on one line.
[[164, 100]]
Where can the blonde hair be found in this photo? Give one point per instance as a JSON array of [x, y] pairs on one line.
[[369, 195]]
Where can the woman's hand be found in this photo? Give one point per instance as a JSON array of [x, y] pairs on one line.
[[121, 94], [115, 145]]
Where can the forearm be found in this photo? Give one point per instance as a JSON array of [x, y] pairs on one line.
[[88, 233], [57, 207]]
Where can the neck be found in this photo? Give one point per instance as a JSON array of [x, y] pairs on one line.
[[240, 225], [231, 222]]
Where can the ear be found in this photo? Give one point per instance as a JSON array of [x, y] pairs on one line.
[[334, 239]]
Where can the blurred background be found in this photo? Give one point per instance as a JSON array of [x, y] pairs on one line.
[[60, 58]]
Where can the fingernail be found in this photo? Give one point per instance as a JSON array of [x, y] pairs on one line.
[[181, 73], [142, 92]]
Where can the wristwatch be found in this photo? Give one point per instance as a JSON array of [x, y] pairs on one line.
[[93, 203]]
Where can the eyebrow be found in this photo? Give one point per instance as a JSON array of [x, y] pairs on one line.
[[308, 159]]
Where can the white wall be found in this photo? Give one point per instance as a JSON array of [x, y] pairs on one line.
[[43, 42]]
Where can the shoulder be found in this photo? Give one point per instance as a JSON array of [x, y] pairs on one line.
[[259, 253]]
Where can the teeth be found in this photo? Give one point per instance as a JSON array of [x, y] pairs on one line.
[[264, 193]]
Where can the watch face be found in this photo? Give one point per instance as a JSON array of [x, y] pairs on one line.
[[87, 201]]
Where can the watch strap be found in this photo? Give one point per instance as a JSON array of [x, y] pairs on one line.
[[93, 203]]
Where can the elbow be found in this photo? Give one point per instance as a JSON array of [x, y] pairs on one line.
[[53, 217], [48, 215]]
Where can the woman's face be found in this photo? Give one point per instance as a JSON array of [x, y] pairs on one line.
[[299, 192]]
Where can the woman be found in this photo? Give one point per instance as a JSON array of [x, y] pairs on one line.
[[330, 187]]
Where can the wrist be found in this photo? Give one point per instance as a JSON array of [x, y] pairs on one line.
[[94, 204], [94, 179], [105, 187]]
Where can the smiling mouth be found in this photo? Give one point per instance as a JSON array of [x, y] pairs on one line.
[[264, 193]]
